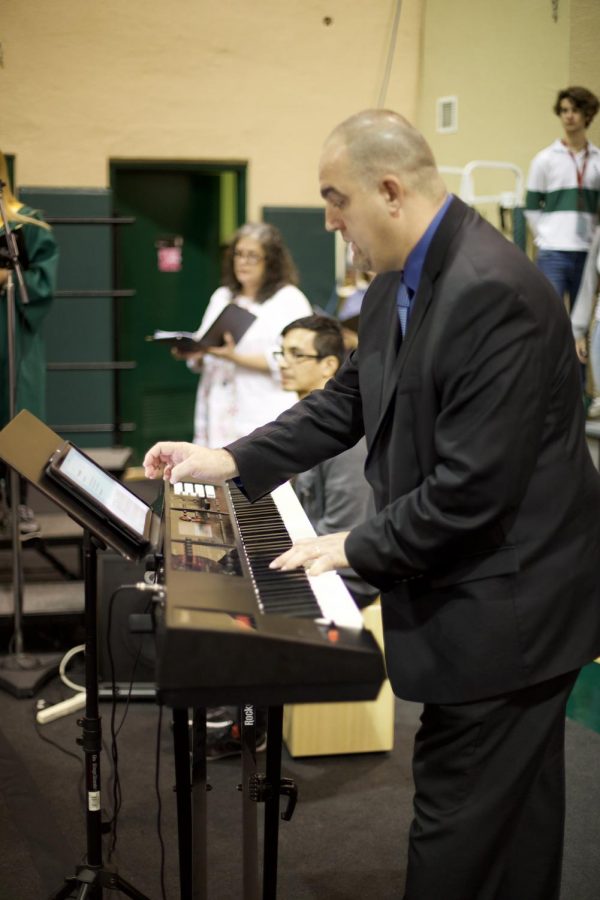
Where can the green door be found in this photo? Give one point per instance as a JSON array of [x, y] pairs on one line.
[[79, 328], [170, 256], [313, 250]]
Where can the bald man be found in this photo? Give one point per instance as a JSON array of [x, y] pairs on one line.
[[486, 539]]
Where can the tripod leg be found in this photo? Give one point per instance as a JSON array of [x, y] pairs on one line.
[[116, 883], [64, 892], [86, 878]]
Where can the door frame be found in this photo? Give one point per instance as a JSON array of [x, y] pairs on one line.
[[201, 167], [231, 200]]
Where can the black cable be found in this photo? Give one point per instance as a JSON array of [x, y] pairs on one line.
[[107, 823], [58, 746], [132, 676], [117, 793], [159, 804], [116, 782]]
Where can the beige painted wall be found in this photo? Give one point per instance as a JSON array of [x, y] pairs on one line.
[[84, 82], [584, 53], [505, 61], [263, 81]]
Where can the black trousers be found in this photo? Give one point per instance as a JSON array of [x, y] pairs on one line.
[[490, 797]]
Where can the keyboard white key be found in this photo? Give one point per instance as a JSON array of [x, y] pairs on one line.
[[329, 589]]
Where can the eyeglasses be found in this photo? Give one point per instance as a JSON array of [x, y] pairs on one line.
[[249, 256], [294, 356]]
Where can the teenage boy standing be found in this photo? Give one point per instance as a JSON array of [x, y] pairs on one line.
[[563, 193]]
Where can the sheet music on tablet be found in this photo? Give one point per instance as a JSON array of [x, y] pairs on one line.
[[233, 319], [107, 497]]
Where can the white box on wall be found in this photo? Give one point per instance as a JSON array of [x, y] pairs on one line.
[[446, 115]]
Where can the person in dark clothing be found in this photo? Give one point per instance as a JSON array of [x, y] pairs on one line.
[[486, 537]]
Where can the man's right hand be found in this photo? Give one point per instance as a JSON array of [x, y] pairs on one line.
[[177, 460]]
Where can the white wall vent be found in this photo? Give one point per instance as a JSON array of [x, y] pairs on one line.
[[447, 115]]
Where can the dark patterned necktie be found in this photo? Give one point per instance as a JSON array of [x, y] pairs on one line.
[[403, 305]]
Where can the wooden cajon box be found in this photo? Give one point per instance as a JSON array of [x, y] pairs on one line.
[[322, 729]]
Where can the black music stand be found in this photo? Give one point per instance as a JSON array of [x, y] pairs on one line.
[[91, 876], [27, 444]]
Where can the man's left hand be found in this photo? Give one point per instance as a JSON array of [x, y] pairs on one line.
[[317, 554]]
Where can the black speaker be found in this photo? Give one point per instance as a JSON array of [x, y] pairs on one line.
[[133, 652]]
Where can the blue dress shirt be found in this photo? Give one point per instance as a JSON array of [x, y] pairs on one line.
[[411, 274]]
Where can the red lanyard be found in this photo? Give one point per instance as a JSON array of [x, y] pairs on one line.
[[580, 172]]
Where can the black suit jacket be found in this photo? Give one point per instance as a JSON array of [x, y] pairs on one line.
[[486, 543]]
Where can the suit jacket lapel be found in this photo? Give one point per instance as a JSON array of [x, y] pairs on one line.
[[394, 343], [395, 358]]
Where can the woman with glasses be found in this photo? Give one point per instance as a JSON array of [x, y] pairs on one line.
[[240, 387]]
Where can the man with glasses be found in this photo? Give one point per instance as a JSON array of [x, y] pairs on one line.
[[334, 494]]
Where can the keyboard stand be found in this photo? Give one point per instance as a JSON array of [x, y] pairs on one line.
[[191, 788], [267, 789], [249, 807], [285, 786], [190, 792], [200, 788]]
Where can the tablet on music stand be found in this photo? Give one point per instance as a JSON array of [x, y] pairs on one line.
[[112, 513], [108, 498]]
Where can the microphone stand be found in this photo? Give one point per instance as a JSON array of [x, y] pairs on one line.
[[20, 674]]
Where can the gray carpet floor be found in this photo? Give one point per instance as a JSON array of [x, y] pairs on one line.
[[346, 839]]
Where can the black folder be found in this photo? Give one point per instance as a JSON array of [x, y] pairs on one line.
[[233, 319]]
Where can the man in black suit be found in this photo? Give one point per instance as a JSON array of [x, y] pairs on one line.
[[486, 540]]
